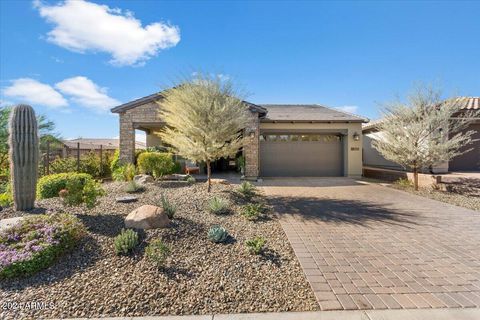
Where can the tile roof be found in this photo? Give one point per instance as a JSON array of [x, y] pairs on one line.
[[307, 113], [95, 143], [467, 103]]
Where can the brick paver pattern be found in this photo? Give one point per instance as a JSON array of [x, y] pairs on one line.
[[365, 246]]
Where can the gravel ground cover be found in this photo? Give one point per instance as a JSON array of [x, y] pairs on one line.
[[465, 195], [469, 201], [200, 277]]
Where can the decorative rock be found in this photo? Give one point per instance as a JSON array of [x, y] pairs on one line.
[[143, 179], [147, 217], [126, 199], [7, 223], [175, 177], [219, 181]]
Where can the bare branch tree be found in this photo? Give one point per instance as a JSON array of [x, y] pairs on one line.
[[204, 119], [423, 132]]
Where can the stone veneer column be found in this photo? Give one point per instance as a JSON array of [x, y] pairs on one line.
[[127, 139], [251, 148]]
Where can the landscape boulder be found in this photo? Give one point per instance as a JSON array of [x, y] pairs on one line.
[[142, 179], [147, 217]]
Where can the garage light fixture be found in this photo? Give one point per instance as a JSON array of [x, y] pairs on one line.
[[356, 136]]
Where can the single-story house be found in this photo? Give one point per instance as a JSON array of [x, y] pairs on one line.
[[284, 140], [469, 161], [87, 145]]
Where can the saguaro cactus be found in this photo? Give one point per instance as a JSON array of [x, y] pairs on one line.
[[23, 143]]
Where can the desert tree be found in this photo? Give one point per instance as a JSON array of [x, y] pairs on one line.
[[204, 118], [424, 131]]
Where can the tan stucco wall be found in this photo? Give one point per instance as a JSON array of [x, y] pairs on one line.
[[353, 158], [153, 140]]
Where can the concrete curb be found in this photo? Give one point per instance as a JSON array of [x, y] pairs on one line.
[[398, 314]]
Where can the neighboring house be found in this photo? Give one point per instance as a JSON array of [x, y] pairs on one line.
[[93, 145], [469, 161], [284, 140]]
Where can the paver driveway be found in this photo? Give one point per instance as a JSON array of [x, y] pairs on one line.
[[366, 246]]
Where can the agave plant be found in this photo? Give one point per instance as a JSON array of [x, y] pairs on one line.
[[218, 205], [217, 234]]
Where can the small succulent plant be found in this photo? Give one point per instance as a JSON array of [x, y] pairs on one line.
[[157, 252], [255, 245], [190, 179], [252, 211], [133, 187], [126, 241], [218, 205], [168, 207], [217, 234], [247, 189]]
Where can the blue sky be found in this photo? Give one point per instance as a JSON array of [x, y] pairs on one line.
[[73, 60]]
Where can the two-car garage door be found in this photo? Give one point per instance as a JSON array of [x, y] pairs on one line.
[[301, 155]]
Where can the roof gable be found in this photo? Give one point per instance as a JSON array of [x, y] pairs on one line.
[[158, 96]]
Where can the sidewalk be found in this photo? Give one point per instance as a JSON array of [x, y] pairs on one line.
[[400, 314]]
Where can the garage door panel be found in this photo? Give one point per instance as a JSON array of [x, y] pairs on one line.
[[301, 158], [469, 161]]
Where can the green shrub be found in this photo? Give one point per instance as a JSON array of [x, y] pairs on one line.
[[218, 205], [252, 211], [190, 179], [168, 207], [177, 167], [217, 234], [133, 187], [115, 162], [404, 183], [79, 192], [49, 186], [91, 191], [157, 164], [4, 186], [138, 152], [255, 245], [89, 163], [246, 189], [126, 241], [157, 252], [61, 165], [6, 199], [36, 242], [124, 173], [240, 161]]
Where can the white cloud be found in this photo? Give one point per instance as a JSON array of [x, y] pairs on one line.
[[83, 26], [349, 109], [31, 91], [85, 92]]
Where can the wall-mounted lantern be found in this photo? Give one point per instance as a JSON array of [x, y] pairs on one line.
[[356, 136]]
